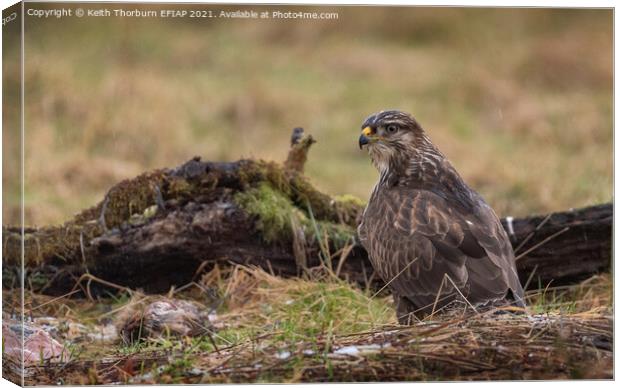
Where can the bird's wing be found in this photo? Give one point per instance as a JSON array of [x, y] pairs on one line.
[[491, 236], [418, 240]]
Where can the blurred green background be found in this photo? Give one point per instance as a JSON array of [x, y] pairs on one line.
[[520, 100]]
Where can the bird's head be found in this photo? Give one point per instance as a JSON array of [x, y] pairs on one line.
[[389, 136]]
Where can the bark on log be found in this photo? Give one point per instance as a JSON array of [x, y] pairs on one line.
[[564, 247], [157, 230], [170, 250]]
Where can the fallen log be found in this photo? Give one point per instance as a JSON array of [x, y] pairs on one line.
[[162, 228], [222, 233], [563, 247]]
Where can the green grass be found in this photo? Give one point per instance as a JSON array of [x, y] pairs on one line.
[[291, 310], [301, 309], [283, 315], [593, 293]]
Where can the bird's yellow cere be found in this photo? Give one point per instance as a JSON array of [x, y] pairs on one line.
[[367, 131]]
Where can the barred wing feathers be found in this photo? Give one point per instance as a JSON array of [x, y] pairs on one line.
[[415, 238]]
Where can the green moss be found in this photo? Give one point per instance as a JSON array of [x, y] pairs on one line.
[[268, 191], [272, 209], [178, 186], [124, 199], [150, 211], [338, 234], [348, 208], [306, 195], [349, 200], [300, 192], [274, 212], [251, 172]]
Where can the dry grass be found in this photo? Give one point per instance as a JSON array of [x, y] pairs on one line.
[[520, 100], [271, 329]]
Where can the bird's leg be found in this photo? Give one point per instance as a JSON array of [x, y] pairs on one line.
[[448, 278]]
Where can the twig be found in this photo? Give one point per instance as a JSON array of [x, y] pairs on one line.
[[532, 233], [54, 300], [343, 257], [82, 251], [159, 199], [529, 279], [394, 278], [460, 293], [104, 207], [542, 242], [91, 278]]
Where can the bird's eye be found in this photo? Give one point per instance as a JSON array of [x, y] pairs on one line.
[[391, 129]]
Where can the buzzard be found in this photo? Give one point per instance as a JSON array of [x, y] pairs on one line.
[[431, 238]]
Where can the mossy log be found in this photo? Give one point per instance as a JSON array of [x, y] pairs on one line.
[[158, 229]]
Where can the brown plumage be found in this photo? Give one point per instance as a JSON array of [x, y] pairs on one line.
[[425, 230]]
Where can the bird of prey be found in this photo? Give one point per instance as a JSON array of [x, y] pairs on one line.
[[430, 237]]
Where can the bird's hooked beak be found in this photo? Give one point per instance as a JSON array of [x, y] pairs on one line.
[[365, 137]]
